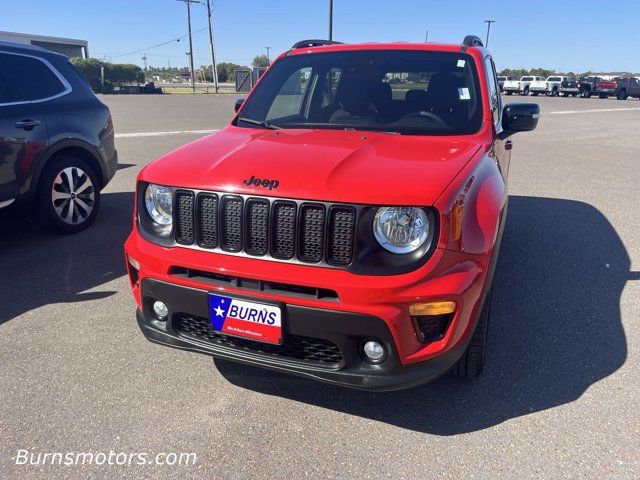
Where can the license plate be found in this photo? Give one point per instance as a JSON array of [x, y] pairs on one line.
[[241, 318]]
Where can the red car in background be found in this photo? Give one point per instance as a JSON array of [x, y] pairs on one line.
[[344, 226], [606, 88]]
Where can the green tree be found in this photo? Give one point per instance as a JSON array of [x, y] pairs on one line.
[[260, 61], [226, 71], [114, 73]]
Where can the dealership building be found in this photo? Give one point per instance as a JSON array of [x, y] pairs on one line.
[[67, 46]]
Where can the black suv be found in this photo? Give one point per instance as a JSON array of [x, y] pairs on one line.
[[56, 139]]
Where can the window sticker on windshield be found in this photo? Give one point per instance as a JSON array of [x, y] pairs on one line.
[[461, 63], [464, 94]]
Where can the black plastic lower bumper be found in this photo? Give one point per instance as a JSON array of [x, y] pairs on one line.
[[346, 330]]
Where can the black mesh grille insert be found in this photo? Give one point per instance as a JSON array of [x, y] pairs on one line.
[[311, 237], [231, 223], [432, 327], [257, 227], [184, 217], [342, 221], [309, 232], [284, 230], [317, 351], [207, 215]]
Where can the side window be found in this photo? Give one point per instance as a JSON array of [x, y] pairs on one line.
[[4, 91], [494, 96], [33, 77], [289, 99]]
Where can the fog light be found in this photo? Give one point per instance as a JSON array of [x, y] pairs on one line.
[[160, 309], [373, 351]]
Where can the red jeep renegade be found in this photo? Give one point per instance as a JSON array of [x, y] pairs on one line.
[[344, 226]]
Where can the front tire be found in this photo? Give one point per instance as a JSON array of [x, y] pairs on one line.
[[471, 364], [509, 93], [68, 197], [602, 96], [622, 95]]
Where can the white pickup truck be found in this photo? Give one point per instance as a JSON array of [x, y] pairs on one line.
[[521, 86], [550, 86]]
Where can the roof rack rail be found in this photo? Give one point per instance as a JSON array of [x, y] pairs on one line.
[[313, 43], [472, 41]]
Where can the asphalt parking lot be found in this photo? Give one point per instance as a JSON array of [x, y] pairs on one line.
[[559, 396]]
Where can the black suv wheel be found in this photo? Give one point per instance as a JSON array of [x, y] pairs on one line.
[[68, 195]]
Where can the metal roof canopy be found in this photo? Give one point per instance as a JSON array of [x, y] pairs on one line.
[[29, 38]]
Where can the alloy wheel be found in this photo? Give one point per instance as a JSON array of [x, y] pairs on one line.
[[73, 195]]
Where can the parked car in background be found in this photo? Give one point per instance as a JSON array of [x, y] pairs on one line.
[[550, 86], [588, 86], [262, 244], [502, 79], [56, 139], [521, 86], [569, 86], [627, 87], [606, 88]]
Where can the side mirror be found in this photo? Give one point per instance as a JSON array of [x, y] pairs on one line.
[[519, 117], [239, 103]]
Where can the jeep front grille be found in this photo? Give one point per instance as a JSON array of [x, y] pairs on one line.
[[306, 232]]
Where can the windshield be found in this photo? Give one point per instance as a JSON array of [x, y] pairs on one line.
[[406, 92], [527, 79], [554, 79]]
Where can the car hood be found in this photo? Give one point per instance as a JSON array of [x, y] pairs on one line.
[[328, 165]]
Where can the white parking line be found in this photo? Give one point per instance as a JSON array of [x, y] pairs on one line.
[[162, 134], [204, 132], [595, 110]]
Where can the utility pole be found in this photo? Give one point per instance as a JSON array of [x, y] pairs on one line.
[[426, 37], [268, 60], [144, 59], [214, 69], [488, 22], [190, 53], [330, 20]]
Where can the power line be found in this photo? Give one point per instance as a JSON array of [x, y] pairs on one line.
[[141, 50]]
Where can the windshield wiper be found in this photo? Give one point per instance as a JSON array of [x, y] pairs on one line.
[[262, 123]]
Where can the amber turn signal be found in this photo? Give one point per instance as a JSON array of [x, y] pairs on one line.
[[432, 308]]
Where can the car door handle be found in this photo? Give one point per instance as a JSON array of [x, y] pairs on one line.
[[27, 124]]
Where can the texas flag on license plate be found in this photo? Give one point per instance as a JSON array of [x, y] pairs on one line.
[[255, 321]]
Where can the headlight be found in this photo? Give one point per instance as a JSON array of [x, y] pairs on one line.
[[401, 229], [159, 202]]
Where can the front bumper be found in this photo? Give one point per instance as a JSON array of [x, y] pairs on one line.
[[364, 307], [345, 330]]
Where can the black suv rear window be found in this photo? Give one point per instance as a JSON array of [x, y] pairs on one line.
[[407, 92], [29, 78]]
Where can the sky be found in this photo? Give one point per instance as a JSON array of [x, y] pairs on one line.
[[560, 34]]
